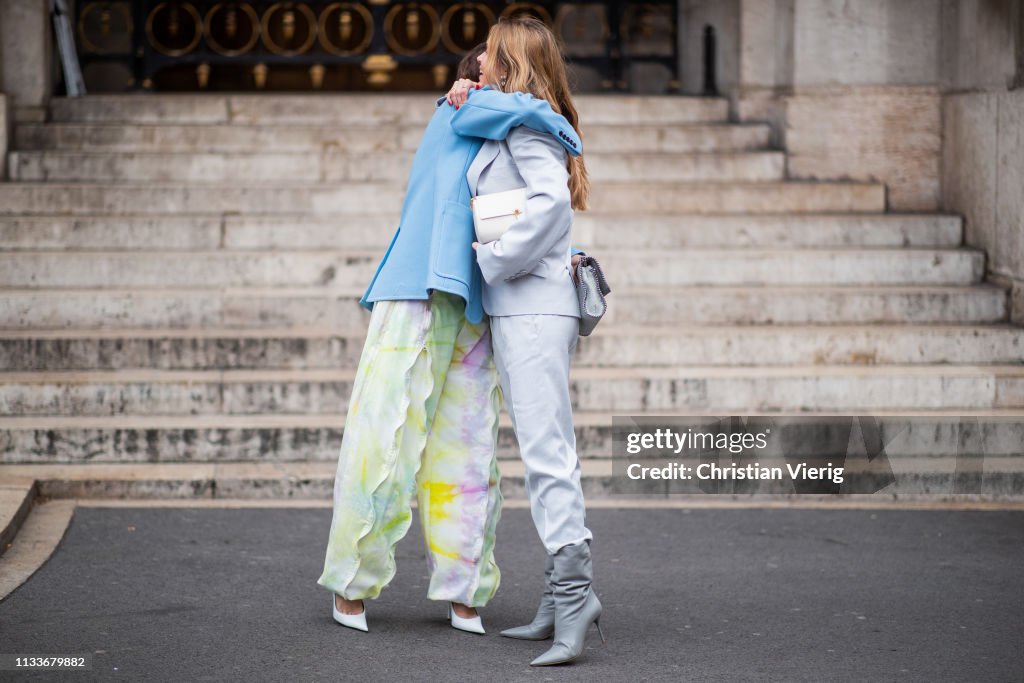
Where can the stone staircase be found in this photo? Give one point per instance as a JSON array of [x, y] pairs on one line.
[[179, 277]]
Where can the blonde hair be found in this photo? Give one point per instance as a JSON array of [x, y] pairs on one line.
[[529, 54]]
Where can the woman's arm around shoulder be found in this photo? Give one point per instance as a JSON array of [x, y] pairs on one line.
[[493, 115]]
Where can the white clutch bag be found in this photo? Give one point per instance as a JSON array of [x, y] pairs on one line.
[[494, 213]]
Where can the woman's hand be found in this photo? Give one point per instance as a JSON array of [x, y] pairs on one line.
[[476, 245], [574, 261], [460, 91]]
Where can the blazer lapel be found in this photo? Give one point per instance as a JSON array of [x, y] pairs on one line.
[[488, 152]]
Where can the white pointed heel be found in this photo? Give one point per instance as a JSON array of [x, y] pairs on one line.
[[468, 624], [356, 621]]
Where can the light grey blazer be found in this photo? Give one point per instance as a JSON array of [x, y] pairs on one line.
[[527, 270]]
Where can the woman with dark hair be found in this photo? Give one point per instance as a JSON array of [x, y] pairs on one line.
[[423, 414]]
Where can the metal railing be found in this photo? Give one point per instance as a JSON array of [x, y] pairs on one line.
[[374, 44]]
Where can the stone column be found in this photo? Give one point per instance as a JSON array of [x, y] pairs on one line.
[[27, 65]]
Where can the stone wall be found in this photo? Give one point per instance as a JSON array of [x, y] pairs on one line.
[[918, 94], [981, 44], [888, 134], [850, 88], [867, 42], [983, 132], [27, 65], [983, 179]]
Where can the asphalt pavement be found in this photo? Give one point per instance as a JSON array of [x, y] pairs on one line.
[[200, 594]]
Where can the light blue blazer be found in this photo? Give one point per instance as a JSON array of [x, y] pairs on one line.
[[432, 247], [528, 269]]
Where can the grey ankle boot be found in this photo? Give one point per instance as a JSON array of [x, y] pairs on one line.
[[543, 624], [576, 604]]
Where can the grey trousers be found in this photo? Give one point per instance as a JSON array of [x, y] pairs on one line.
[[532, 353]]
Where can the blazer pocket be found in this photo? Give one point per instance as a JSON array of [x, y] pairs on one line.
[[540, 270], [454, 260]]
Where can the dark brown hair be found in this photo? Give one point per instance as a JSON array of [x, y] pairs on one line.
[[469, 67]]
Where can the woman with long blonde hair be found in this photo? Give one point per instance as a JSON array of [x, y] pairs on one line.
[[531, 301]]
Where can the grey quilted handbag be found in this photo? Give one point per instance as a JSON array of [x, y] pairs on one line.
[[591, 288]]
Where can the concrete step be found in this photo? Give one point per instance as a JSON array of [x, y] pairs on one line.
[[285, 439], [287, 307], [808, 305], [354, 268], [173, 232], [18, 199], [625, 390], [593, 231], [916, 479], [742, 198], [359, 137], [330, 165], [340, 110], [17, 494], [21, 199], [612, 345], [776, 267]]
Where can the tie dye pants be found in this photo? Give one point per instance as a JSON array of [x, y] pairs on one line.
[[423, 421]]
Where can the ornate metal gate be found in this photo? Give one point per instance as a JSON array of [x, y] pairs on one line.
[[369, 45]]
